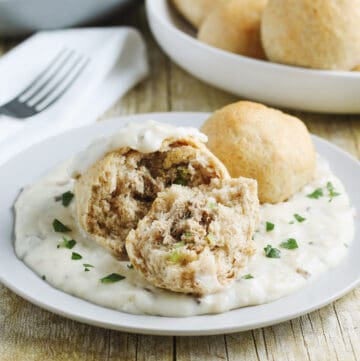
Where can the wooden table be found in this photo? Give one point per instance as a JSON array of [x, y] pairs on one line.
[[331, 333]]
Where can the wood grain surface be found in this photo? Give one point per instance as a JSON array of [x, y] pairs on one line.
[[331, 333]]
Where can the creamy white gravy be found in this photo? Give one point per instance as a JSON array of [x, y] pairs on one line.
[[145, 137], [323, 239]]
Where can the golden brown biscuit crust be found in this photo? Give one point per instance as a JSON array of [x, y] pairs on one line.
[[195, 11], [319, 34], [235, 26], [258, 142]]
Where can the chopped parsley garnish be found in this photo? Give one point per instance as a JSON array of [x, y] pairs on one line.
[[289, 244], [331, 190], [60, 227], [112, 278], [187, 234], [269, 226], [271, 252], [212, 205], [65, 198], [316, 194], [67, 243], [87, 267], [291, 222], [211, 239], [179, 244], [181, 174], [174, 257], [248, 276], [43, 277], [76, 256], [299, 218], [130, 266]]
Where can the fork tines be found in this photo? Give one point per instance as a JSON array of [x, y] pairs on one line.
[[53, 82]]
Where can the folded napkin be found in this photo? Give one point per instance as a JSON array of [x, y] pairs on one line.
[[117, 62]]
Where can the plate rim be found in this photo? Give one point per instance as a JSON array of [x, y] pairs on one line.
[[210, 330]]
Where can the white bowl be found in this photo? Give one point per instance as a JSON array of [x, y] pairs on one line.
[[279, 85], [25, 16]]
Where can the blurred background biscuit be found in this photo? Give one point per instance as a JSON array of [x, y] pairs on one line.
[[235, 26], [318, 34], [195, 11]]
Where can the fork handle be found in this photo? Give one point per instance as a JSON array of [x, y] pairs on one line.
[[3, 111]]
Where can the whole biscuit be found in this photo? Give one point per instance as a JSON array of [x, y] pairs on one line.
[[319, 34], [195, 11], [235, 26], [268, 145]]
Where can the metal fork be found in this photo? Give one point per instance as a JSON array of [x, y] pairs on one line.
[[48, 87]]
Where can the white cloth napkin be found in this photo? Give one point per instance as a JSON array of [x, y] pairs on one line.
[[117, 62]]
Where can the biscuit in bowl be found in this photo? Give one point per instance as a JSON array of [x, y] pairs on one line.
[[195, 11], [196, 240], [118, 190], [235, 26], [259, 142], [318, 34]]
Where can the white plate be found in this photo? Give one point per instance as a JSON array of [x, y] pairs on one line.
[[29, 165], [280, 85]]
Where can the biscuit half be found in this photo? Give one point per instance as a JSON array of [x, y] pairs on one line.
[[196, 240], [119, 189]]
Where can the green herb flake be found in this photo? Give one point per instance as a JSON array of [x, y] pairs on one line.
[[130, 266], [179, 244], [188, 234], [316, 194], [212, 205], [60, 227], [271, 252], [289, 244], [181, 174], [299, 218], [43, 277], [67, 243], [211, 239], [112, 278], [87, 265], [65, 198], [248, 276], [269, 226], [174, 257], [76, 256], [331, 190]]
